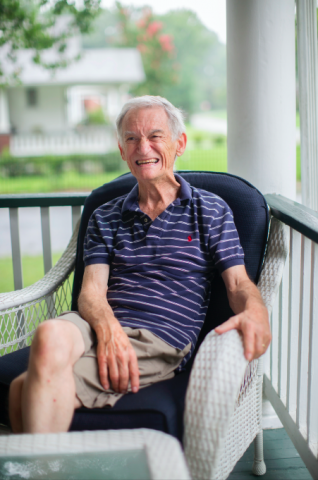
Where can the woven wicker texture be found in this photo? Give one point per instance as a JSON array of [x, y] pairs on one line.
[[164, 452], [276, 254], [22, 311], [214, 385], [220, 424]]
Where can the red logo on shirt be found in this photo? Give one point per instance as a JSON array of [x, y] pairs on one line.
[[189, 238]]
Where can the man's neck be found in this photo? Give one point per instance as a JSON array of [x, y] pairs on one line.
[[154, 198]]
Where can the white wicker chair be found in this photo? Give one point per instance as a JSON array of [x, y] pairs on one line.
[[223, 404]]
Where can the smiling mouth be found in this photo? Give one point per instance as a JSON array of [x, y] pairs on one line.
[[147, 162]]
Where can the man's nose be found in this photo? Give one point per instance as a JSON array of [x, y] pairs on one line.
[[144, 146]]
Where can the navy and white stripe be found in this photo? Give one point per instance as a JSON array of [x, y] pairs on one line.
[[161, 270]]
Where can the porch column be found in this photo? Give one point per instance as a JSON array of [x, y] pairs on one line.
[[261, 93], [308, 99]]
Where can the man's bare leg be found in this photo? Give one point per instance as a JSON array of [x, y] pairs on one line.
[[47, 389], [15, 412]]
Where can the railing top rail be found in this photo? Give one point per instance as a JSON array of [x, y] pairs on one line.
[[43, 200], [295, 215]]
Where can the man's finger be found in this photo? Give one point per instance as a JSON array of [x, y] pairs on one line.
[[230, 324], [134, 371], [249, 340], [261, 344], [102, 366], [123, 371], [113, 370]]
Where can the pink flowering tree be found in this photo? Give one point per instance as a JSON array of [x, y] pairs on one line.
[[140, 29]]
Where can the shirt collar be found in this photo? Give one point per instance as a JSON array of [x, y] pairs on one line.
[[131, 201], [185, 190]]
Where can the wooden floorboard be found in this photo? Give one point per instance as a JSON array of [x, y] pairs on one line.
[[282, 460]]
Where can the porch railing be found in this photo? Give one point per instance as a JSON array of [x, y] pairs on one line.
[[291, 363], [16, 202]]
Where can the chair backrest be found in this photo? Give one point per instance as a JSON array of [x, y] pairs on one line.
[[251, 217]]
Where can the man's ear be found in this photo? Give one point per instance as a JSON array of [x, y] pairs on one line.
[[181, 144], [121, 151]]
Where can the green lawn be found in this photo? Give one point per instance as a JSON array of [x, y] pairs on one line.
[[68, 181], [211, 160], [214, 159], [32, 268], [298, 164]]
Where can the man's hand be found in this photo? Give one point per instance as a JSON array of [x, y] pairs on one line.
[[116, 357], [117, 360], [251, 314]]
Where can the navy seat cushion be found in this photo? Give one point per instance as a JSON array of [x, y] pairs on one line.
[[160, 406]]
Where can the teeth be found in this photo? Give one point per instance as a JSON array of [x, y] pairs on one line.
[[145, 162]]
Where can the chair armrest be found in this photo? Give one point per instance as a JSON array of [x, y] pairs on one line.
[[277, 251], [214, 387], [49, 283]]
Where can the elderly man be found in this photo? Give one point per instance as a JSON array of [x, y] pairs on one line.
[[149, 259]]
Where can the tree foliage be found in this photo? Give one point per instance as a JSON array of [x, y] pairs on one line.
[[32, 24], [183, 60], [141, 29], [202, 60]]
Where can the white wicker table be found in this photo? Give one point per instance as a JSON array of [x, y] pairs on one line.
[[131, 454]]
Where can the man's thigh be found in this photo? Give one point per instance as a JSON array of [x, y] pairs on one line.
[[156, 361], [84, 333]]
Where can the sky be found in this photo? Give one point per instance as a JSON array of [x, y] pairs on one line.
[[212, 13]]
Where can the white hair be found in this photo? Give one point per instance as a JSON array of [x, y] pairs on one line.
[[175, 115]]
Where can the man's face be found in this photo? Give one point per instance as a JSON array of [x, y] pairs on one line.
[[147, 145]]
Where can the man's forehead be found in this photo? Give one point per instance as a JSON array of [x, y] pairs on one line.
[[152, 117]]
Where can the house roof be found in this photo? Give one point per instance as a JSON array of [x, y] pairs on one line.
[[96, 66]]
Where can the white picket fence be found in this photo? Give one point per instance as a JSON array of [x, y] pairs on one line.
[[91, 141], [291, 363]]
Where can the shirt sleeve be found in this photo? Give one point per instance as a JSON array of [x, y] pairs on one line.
[[99, 240], [224, 241]]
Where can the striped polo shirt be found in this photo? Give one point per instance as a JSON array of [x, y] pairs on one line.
[[161, 270]]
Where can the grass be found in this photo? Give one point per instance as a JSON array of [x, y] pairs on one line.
[[68, 181], [32, 268], [201, 159], [298, 164]]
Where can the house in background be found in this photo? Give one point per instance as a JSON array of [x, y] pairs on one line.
[[72, 111]]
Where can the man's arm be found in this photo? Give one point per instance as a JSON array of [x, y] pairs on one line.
[[251, 315], [116, 357]]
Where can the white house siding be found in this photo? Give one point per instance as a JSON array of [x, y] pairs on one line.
[[48, 116]]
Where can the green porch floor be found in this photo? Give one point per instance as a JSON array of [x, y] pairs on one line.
[[281, 458]]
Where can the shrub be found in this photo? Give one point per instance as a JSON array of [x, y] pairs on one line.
[[56, 165]]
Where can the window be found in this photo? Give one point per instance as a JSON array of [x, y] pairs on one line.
[[32, 97]]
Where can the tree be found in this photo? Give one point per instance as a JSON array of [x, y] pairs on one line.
[[202, 60], [140, 29], [32, 24], [191, 71]]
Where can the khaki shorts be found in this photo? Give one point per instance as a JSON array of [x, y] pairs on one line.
[[156, 361]]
